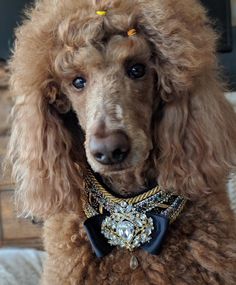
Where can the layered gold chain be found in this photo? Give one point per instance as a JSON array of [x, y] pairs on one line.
[[91, 180], [92, 185]]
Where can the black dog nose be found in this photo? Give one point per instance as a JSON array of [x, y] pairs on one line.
[[111, 149]]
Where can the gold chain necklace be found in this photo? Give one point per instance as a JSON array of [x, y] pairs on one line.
[[97, 198]]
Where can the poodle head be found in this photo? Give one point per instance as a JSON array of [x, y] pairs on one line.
[[92, 93], [109, 79]]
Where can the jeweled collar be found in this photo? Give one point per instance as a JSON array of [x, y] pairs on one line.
[[137, 222]]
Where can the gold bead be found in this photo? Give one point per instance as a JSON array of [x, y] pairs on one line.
[[131, 32]]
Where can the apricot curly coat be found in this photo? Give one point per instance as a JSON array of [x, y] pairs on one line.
[[180, 127]]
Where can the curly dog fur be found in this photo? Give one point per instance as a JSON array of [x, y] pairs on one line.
[[179, 125]]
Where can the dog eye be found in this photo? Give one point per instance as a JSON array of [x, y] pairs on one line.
[[137, 70], [79, 82]]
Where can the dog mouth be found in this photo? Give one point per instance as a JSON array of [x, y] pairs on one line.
[[116, 169]]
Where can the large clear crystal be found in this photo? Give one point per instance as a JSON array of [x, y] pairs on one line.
[[125, 229]]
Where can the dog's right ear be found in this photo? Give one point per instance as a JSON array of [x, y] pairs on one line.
[[40, 150], [41, 147]]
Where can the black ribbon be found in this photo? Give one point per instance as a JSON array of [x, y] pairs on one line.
[[101, 246]]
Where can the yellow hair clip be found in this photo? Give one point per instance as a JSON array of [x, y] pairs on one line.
[[101, 13], [131, 32]]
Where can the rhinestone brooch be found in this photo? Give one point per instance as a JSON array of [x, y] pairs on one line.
[[126, 227]]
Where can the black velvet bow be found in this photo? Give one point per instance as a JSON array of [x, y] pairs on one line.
[[101, 246]]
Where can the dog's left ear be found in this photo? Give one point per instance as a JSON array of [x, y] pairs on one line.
[[196, 135], [197, 140], [57, 98]]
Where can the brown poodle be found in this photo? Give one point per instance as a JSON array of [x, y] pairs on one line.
[[130, 89]]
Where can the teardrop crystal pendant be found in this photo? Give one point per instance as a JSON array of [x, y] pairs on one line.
[[133, 262]]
